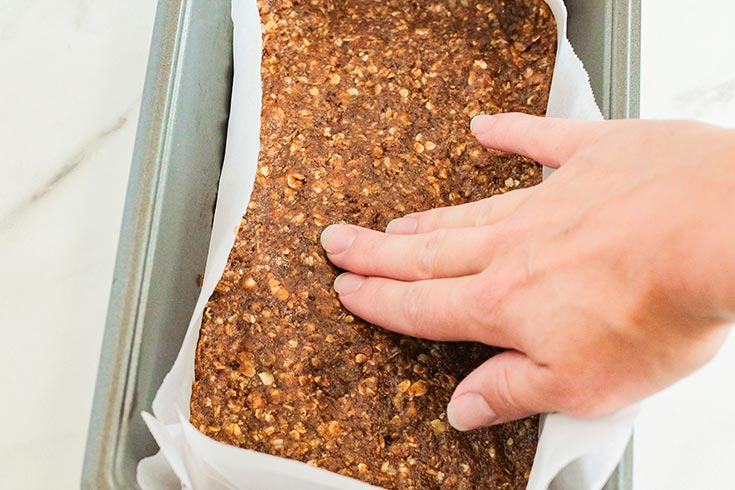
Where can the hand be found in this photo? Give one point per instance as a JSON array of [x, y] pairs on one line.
[[609, 281]]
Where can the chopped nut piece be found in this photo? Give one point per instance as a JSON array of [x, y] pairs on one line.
[[266, 378], [438, 426], [335, 428], [419, 388], [295, 180], [247, 368], [418, 369]]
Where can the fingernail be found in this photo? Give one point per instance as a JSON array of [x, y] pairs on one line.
[[337, 238], [348, 283], [402, 226], [480, 123], [470, 411]]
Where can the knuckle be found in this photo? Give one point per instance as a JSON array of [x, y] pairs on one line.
[[428, 256], [414, 309], [426, 220], [486, 211], [486, 300], [506, 401]]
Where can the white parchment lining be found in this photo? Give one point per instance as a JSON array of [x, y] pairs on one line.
[[572, 453]]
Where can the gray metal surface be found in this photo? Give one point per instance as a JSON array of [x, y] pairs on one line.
[[170, 205], [606, 36], [165, 230]]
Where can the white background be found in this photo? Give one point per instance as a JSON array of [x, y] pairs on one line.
[[685, 436], [71, 76]]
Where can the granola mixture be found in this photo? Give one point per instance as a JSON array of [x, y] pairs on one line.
[[365, 118]]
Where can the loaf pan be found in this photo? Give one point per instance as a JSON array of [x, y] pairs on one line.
[[170, 205]]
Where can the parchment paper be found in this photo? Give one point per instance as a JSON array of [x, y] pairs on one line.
[[572, 453]]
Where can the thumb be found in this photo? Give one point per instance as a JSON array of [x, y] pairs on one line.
[[506, 387]]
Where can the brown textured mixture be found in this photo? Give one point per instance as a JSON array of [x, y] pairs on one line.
[[365, 118]]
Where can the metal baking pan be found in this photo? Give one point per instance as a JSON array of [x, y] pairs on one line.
[[170, 204]]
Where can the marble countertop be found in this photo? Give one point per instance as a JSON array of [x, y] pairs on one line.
[[70, 89]]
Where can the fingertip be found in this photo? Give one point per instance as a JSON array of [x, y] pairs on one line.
[[470, 411], [337, 238], [348, 283], [481, 123], [402, 226]]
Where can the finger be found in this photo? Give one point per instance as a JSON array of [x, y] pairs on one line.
[[506, 387], [549, 141], [442, 253], [479, 213], [440, 309]]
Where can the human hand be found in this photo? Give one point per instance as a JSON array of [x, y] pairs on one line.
[[609, 281]]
